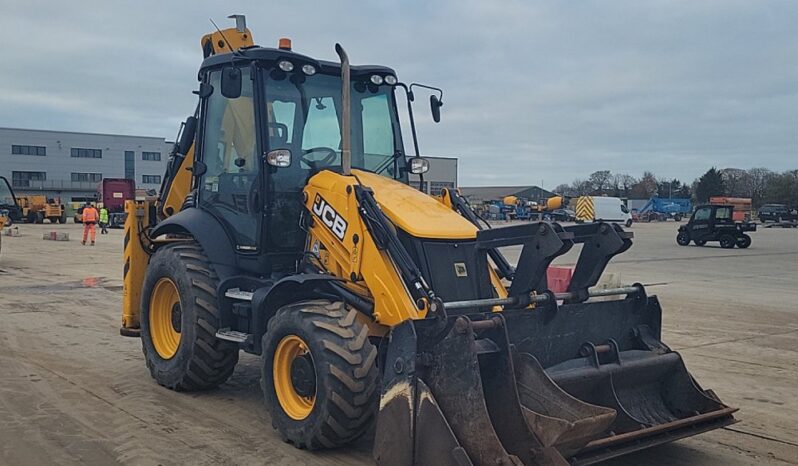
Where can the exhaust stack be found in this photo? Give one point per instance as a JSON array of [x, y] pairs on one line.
[[346, 144]]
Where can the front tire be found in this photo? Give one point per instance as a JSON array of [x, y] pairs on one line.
[[628, 223], [682, 238], [179, 320], [319, 376], [727, 241], [743, 241]]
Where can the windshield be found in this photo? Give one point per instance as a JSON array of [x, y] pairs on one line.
[[6, 197], [304, 114]]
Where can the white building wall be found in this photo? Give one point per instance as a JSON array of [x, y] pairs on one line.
[[442, 173], [58, 164]]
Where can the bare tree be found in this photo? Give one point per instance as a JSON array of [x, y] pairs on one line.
[[622, 184], [582, 187], [564, 189], [646, 187], [758, 180], [737, 182], [600, 181]]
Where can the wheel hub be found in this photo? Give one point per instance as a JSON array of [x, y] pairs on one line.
[[177, 318], [303, 376]]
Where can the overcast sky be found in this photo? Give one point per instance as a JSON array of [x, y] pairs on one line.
[[534, 91]]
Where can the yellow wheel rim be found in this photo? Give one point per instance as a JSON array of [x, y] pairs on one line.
[[295, 405], [165, 314]]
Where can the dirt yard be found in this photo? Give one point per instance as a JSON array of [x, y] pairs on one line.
[[72, 391]]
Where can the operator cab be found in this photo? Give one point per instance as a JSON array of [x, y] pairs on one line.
[[269, 120]]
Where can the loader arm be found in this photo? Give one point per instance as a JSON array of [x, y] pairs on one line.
[[546, 383]]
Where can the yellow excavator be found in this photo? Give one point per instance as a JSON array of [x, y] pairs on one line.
[[286, 227]]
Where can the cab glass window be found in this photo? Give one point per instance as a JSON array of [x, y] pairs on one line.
[[723, 214], [702, 213]]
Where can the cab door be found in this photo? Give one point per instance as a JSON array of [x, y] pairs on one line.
[[699, 225], [230, 187]]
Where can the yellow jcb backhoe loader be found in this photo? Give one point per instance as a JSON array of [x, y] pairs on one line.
[[286, 227]]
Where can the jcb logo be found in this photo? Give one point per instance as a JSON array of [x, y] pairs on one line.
[[330, 217]]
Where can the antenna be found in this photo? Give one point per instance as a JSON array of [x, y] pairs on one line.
[[227, 42], [241, 22]]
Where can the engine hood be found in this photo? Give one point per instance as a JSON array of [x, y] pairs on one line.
[[415, 212]]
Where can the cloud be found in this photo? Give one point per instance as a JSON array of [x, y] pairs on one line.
[[534, 91]]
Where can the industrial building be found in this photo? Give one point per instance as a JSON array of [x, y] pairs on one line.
[[69, 165], [442, 174], [481, 194]]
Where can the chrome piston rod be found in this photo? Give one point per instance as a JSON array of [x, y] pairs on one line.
[[538, 298]]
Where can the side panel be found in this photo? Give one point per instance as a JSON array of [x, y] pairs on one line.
[[608, 209], [584, 209], [339, 237]]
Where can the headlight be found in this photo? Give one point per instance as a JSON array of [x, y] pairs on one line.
[[419, 165], [376, 79], [286, 66], [390, 80], [279, 158], [309, 70]]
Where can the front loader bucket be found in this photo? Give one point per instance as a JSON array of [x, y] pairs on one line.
[[579, 383]]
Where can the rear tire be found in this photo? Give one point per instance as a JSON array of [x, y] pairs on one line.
[[340, 402], [743, 241], [682, 238], [727, 241], [62, 219], [199, 360]]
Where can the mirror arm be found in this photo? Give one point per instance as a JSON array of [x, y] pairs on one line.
[[409, 94], [432, 88]]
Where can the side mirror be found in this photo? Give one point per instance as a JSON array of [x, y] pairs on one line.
[[231, 82], [435, 105], [199, 168], [419, 165], [279, 158]]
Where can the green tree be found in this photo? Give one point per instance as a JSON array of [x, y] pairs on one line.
[[710, 184]]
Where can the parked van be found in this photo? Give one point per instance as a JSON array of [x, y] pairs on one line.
[[602, 209]]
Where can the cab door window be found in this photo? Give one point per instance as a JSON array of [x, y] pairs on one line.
[[229, 188], [702, 214]]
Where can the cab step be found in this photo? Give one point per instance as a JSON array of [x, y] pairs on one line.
[[233, 335], [235, 293]]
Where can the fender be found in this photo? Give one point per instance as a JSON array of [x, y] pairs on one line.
[[268, 299], [207, 231]]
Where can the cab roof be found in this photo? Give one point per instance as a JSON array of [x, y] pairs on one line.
[[265, 54]]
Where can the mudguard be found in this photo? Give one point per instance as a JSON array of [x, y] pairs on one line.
[[207, 231]]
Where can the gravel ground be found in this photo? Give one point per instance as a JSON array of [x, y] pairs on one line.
[[72, 391]]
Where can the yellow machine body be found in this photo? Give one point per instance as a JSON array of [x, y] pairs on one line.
[[388, 311], [356, 255], [135, 265]]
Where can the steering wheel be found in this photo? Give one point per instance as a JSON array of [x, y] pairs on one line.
[[325, 161]]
